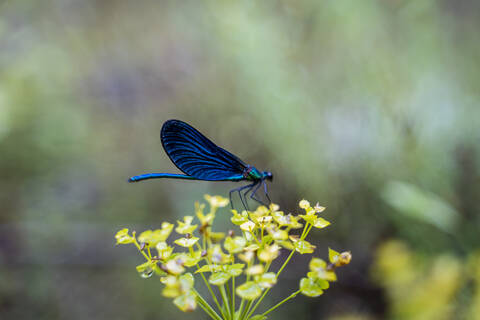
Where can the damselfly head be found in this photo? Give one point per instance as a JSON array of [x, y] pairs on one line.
[[268, 175]]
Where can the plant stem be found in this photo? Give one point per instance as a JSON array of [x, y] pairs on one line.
[[212, 293], [140, 249], [266, 291], [240, 309], [293, 295], [206, 307], [310, 226], [226, 301], [305, 230], [244, 316], [304, 234], [229, 296], [233, 297]]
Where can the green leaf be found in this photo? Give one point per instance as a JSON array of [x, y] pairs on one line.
[[235, 269], [216, 236], [304, 204], [209, 268], [186, 242], [204, 219], [123, 237], [303, 247], [191, 259], [258, 317], [185, 226], [256, 269], [322, 274], [317, 263], [174, 266], [268, 253], [278, 234], [310, 288], [286, 244], [248, 226], [172, 286], [219, 278], [266, 280], [239, 218], [234, 245], [310, 218], [321, 223], [333, 256], [186, 282], [186, 302], [164, 250], [249, 290], [252, 247], [216, 201], [217, 255], [146, 269], [323, 284], [151, 238], [319, 270], [286, 220]]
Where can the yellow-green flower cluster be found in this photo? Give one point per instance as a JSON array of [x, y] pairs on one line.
[[322, 273], [220, 257]]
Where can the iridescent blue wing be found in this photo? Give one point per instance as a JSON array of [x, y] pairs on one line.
[[197, 156]]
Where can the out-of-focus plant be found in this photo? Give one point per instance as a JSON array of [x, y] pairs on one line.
[[226, 257], [427, 288]]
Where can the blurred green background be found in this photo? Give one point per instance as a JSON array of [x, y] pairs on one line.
[[369, 107]]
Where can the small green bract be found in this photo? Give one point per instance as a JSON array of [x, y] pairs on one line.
[[235, 266]]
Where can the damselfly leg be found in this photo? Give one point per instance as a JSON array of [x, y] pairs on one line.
[[266, 192], [252, 196], [248, 190], [254, 192], [253, 188], [245, 205]]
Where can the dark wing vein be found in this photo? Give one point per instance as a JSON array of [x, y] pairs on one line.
[[196, 155]]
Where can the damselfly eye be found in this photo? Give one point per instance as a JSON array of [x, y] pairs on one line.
[[268, 175]]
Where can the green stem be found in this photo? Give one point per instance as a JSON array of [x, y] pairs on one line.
[[304, 233], [229, 296], [244, 316], [267, 266], [135, 242], [308, 231], [293, 295], [285, 263], [226, 301], [240, 309], [206, 307], [206, 310], [212, 293], [233, 298]]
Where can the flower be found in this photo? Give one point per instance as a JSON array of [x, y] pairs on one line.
[[216, 201], [123, 237], [185, 226], [304, 204]]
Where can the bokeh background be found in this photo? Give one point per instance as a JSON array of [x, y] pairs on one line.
[[369, 107]]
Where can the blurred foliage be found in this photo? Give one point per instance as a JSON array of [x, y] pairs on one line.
[[426, 288], [369, 106]]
